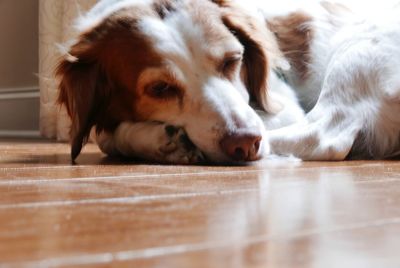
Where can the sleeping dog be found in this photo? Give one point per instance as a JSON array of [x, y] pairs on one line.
[[187, 81]]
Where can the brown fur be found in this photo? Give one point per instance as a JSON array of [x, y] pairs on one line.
[[255, 58], [294, 36], [261, 51], [98, 88]]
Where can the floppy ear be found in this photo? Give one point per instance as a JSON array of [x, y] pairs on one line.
[[83, 90], [261, 51]]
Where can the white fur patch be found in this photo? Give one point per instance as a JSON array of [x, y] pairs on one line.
[[352, 87]]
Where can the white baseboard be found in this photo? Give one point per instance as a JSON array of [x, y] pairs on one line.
[[32, 134], [19, 93], [19, 112], [19, 89]]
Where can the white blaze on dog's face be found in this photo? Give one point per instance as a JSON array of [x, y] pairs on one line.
[[199, 79], [176, 62]]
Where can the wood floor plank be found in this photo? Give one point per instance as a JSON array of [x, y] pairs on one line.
[[274, 213], [40, 189], [171, 220]]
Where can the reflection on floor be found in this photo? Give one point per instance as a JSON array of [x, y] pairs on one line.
[[271, 214]]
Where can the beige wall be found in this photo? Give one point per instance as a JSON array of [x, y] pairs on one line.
[[19, 93], [18, 43]]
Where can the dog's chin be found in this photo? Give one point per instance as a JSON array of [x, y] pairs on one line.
[[217, 157], [213, 157], [229, 162]]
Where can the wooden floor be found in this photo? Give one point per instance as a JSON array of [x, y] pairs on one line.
[[272, 214]]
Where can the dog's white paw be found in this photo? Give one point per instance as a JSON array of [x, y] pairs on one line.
[[156, 142], [177, 148]]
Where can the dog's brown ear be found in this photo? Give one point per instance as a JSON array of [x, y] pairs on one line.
[[261, 51], [82, 89]]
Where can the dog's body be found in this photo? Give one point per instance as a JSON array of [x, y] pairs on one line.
[[349, 85], [143, 71]]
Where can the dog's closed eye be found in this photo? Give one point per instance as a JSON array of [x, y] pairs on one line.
[[230, 64], [162, 90]]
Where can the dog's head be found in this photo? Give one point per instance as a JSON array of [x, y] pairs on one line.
[[190, 63]]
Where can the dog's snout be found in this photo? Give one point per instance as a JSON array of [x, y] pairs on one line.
[[242, 145]]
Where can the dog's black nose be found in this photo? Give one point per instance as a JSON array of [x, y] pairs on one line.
[[242, 145]]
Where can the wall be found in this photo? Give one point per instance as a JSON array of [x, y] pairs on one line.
[[19, 94]]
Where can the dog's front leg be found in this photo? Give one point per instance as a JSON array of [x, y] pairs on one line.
[[327, 133], [151, 141]]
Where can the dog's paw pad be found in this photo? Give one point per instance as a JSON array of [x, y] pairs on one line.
[[186, 142], [171, 130], [178, 148]]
